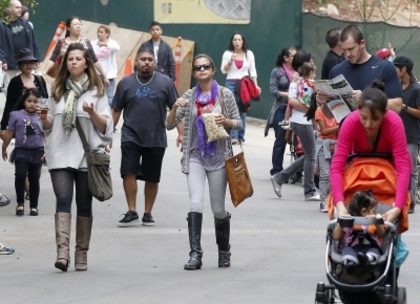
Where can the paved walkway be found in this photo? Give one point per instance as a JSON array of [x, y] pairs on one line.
[[277, 244]]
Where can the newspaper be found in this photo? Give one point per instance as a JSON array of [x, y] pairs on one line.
[[340, 92]]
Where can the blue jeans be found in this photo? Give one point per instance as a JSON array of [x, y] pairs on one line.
[[279, 143], [307, 161], [240, 135], [110, 91]]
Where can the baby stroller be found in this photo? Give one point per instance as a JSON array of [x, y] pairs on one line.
[[375, 284]]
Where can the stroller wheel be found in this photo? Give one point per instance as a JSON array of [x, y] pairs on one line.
[[402, 295]]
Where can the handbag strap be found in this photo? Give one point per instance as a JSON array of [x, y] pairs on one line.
[[82, 136]]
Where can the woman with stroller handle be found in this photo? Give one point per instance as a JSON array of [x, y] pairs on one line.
[[279, 87], [201, 159], [372, 128], [77, 95], [303, 127], [238, 62]]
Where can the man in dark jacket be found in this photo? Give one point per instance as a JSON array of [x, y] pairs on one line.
[[15, 34], [164, 57]]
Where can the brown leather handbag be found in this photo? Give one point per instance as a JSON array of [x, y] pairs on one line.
[[238, 177], [240, 185]]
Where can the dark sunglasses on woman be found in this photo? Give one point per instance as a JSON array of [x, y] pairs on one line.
[[206, 66]]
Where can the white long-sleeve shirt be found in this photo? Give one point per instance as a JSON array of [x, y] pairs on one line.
[[248, 66], [106, 56]]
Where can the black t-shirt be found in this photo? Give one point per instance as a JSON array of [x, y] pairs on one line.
[[411, 98], [20, 40], [361, 76], [330, 61], [145, 108]]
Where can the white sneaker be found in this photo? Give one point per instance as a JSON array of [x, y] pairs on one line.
[[276, 186], [314, 197], [6, 250]]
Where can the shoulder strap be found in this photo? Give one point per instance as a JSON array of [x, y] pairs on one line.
[[82, 136]]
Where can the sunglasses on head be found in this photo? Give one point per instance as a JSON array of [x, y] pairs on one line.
[[206, 66]]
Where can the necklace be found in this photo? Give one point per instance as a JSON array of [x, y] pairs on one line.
[[26, 80], [144, 84]]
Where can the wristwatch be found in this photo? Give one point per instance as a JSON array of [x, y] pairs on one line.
[[405, 108]]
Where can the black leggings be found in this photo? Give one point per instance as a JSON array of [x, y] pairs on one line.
[[24, 167], [62, 181]]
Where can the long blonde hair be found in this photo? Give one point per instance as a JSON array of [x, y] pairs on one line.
[[58, 87]]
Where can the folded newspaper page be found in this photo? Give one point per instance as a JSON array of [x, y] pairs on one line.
[[340, 92]]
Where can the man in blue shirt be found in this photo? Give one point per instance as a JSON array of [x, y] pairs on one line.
[[361, 68]]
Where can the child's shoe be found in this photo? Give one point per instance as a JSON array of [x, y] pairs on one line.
[[4, 200], [6, 250], [285, 124]]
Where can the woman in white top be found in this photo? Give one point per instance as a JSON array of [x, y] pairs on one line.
[[105, 49], [237, 62], [303, 128], [77, 95]]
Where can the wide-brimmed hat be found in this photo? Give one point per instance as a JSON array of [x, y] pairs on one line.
[[26, 55]]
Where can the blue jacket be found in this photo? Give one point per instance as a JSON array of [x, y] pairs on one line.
[[7, 53]]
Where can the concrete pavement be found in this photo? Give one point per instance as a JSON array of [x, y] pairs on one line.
[[277, 244]]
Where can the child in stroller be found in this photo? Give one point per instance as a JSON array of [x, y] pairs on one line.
[[374, 280], [362, 244]]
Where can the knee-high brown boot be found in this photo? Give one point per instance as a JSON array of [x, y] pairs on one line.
[[62, 238], [83, 232]]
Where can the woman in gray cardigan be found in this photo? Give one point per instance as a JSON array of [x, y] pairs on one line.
[[201, 159]]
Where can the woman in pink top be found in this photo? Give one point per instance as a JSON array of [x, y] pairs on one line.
[[372, 125]]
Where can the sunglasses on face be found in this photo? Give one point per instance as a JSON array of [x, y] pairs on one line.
[[206, 66]]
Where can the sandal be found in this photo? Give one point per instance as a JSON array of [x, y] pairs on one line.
[[34, 212], [20, 210]]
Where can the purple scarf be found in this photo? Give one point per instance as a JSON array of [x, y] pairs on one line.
[[202, 100]]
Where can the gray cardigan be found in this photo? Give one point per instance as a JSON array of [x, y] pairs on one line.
[[230, 111]]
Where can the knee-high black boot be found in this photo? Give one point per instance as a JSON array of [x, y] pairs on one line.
[[222, 228], [195, 221]]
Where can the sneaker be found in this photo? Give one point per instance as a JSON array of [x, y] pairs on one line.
[[285, 125], [412, 206], [323, 207], [234, 141], [6, 250], [148, 220], [131, 218], [314, 197], [4, 200], [276, 186]]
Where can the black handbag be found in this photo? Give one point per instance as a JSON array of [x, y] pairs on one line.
[[99, 176]]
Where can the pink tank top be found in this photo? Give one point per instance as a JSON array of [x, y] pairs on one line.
[[239, 63]]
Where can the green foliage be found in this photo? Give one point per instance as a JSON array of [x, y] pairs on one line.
[[4, 5]]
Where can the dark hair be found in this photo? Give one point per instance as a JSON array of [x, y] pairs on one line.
[[351, 30], [374, 98], [360, 200], [280, 56], [409, 72], [154, 23], [203, 56], [310, 114], [58, 87], [332, 37], [145, 50], [300, 58], [68, 23], [20, 105], [24, 10], [244, 43]]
